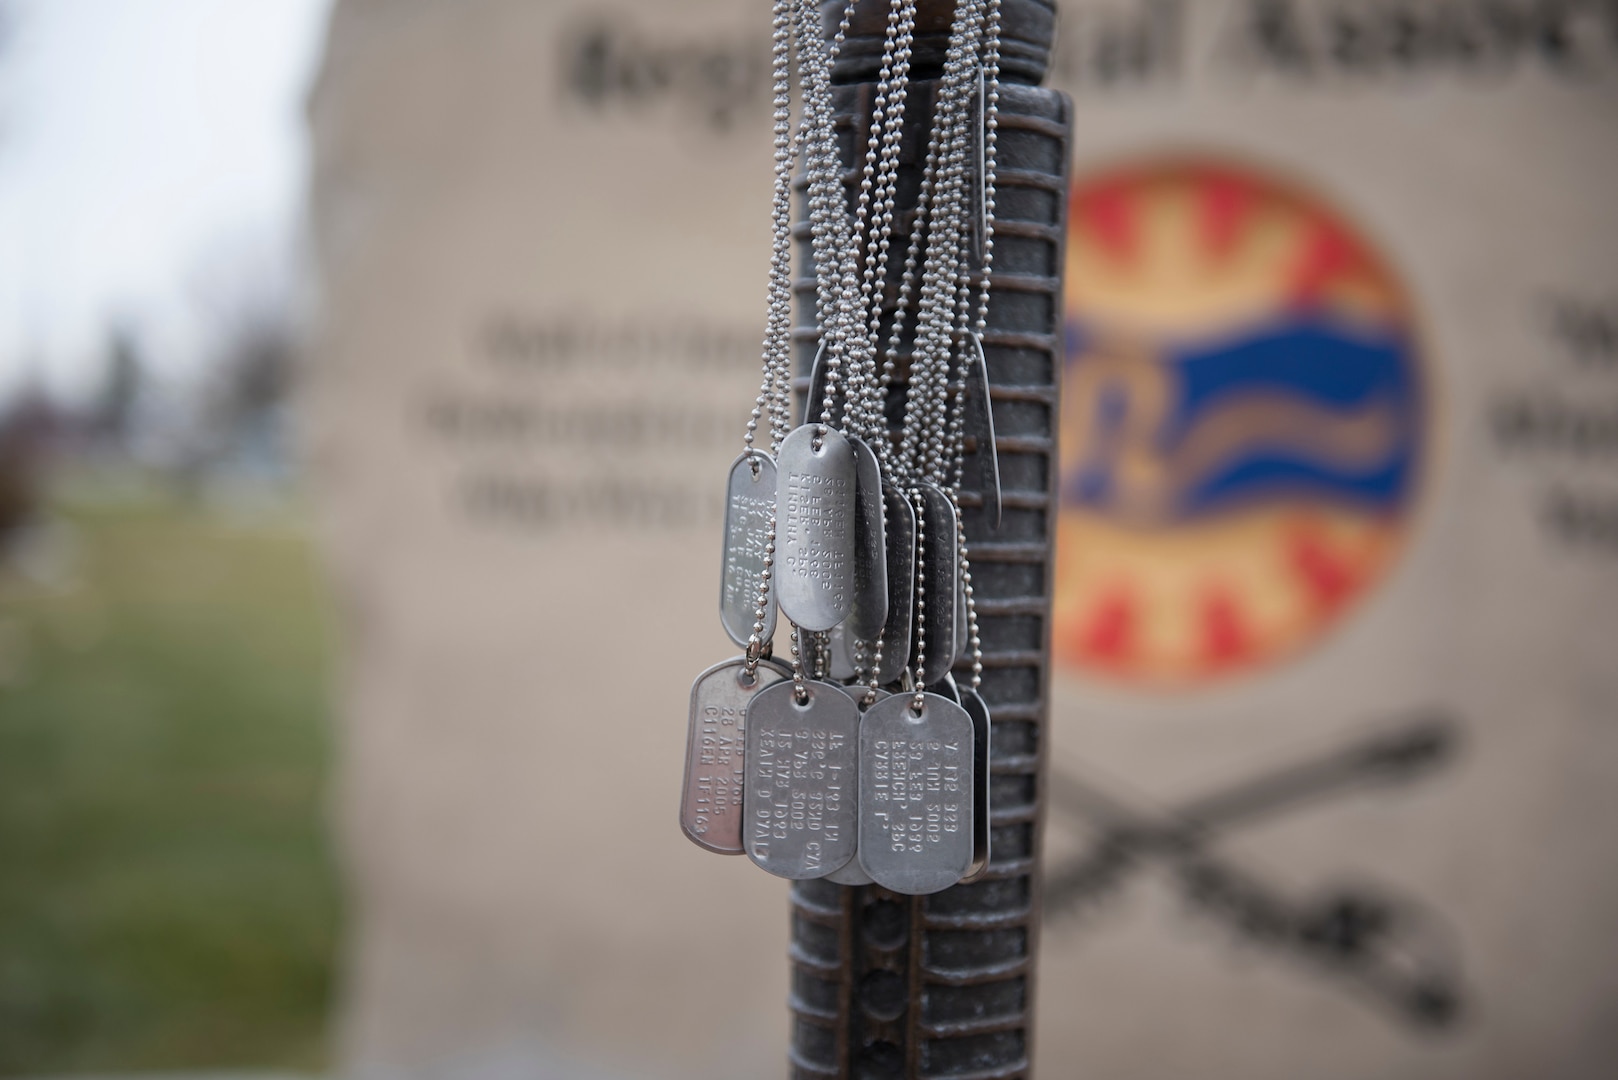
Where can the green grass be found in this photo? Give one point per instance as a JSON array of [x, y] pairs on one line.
[[167, 897]]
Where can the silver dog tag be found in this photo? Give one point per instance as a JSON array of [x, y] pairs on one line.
[[978, 710], [870, 609], [711, 802], [940, 565], [815, 527], [915, 794], [801, 798], [749, 507], [896, 635], [979, 423], [853, 873]]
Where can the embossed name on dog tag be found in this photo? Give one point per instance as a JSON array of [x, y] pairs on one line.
[[801, 801], [870, 610], [853, 873], [916, 809], [814, 519], [896, 635], [749, 505], [978, 419], [715, 779], [978, 710], [940, 563]]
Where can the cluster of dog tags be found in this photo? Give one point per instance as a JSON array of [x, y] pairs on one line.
[[819, 775], [862, 761]]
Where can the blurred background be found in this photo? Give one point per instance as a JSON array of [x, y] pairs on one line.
[[367, 371], [168, 897]]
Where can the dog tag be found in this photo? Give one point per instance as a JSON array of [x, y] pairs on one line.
[[916, 773], [801, 797], [815, 527], [870, 610], [940, 563], [896, 635], [749, 507], [978, 710], [979, 423], [853, 873], [711, 802], [841, 649]]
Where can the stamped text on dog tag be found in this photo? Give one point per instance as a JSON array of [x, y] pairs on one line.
[[749, 506], [711, 803], [916, 775], [814, 523], [800, 803]]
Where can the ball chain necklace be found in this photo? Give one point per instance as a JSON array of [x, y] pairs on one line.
[[861, 760]]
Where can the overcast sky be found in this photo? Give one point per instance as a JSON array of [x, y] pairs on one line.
[[144, 144]]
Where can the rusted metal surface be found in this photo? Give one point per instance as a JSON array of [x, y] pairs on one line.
[[887, 985]]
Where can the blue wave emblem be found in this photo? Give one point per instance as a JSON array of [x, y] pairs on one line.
[[1309, 407]]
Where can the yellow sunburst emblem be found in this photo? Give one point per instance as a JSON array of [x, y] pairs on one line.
[[1242, 427]]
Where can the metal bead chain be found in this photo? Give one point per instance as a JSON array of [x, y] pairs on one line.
[[830, 225], [757, 647], [854, 305], [800, 692], [772, 396], [991, 113], [991, 127], [919, 681], [887, 125], [927, 416], [974, 642]]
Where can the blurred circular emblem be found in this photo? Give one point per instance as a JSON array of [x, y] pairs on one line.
[[1242, 423]]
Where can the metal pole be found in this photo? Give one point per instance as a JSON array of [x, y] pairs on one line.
[[886, 985]]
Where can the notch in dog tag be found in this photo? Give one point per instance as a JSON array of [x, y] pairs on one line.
[[870, 610], [896, 634], [978, 710], [915, 794], [940, 562], [715, 777], [814, 518], [749, 507], [979, 422], [801, 798]]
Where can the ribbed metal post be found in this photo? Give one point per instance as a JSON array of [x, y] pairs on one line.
[[886, 985]]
